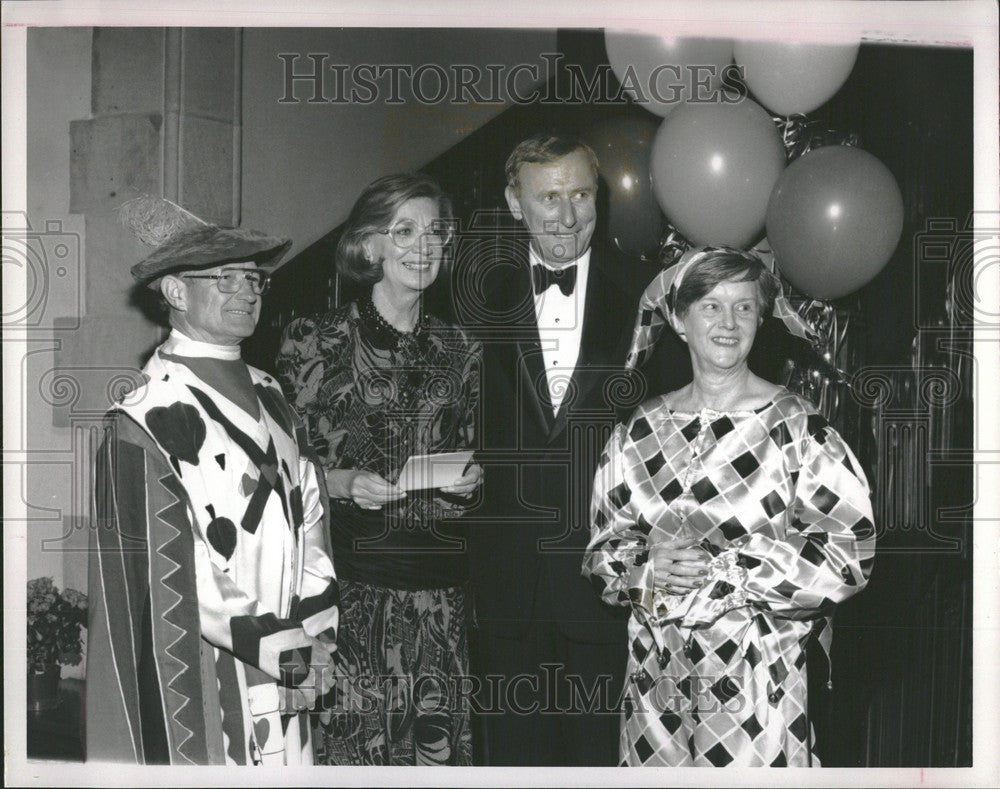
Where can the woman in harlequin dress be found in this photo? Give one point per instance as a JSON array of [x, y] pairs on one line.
[[377, 381], [732, 519]]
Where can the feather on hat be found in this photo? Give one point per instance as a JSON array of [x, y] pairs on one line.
[[186, 243]]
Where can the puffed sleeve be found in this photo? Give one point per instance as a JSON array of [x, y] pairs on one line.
[[825, 556], [616, 560]]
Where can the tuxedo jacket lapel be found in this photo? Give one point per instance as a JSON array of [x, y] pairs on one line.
[[601, 336], [528, 367]]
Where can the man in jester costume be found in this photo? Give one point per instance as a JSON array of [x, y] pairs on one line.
[[213, 594]]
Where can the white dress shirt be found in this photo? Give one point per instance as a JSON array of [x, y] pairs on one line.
[[560, 327]]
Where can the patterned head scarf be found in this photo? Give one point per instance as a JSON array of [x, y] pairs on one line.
[[660, 297]]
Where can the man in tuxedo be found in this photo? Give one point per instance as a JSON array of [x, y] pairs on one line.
[[556, 312]]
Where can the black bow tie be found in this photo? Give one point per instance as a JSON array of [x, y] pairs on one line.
[[543, 278]]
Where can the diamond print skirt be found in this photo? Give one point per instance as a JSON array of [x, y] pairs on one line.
[[710, 700]]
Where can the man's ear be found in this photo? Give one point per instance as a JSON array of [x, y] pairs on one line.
[[513, 202], [677, 325], [174, 291]]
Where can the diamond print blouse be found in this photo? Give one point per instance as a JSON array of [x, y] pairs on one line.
[[781, 504]]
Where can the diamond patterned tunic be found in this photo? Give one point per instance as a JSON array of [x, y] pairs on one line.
[[781, 507]]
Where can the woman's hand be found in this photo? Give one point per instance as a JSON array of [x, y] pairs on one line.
[[467, 483], [677, 566], [365, 488]]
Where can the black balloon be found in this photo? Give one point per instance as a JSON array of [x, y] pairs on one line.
[[624, 147]]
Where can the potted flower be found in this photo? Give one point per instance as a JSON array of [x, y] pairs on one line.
[[54, 622]]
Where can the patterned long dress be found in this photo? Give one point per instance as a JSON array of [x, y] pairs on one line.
[[781, 506], [372, 396]]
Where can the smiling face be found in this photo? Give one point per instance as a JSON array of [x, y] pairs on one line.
[[416, 267], [202, 312], [720, 327], [557, 202]]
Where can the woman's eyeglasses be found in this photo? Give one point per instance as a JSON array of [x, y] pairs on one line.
[[405, 233], [232, 281]]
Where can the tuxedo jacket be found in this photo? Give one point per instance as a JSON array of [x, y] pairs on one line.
[[527, 540]]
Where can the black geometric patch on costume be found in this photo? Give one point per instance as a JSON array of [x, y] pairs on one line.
[[779, 760], [247, 632], [293, 665], [752, 727], [321, 602], [643, 749], [779, 434], [619, 495], [825, 499], [222, 536], [799, 728], [722, 426], [811, 553], [691, 430], [179, 429], [720, 590], [694, 651], [752, 656], [642, 525], [642, 680], [726, 650], [778, 671], [772, 504], [295, 503], [640, 429], [817, 427], [655, 463], [749, 562], [221, 460], [276, 407], [718, 755], [704, 490], [863, 529], [639, 650], [725, 689], [732, 528], [787, 589], [261, 732], [671, 491], [671, 721], [746, 464]]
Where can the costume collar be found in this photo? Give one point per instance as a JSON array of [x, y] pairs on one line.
[[179, 344]]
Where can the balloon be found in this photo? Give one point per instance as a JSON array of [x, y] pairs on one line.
[[794, 78], [623, 147], [834, 220], [714, 166], [661, 74]]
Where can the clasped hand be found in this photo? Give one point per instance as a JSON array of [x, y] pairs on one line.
[[678, 566]]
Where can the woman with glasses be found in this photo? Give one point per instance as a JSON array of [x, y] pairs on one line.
[[378, 381]]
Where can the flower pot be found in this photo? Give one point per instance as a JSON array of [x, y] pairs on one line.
[[43, 689]]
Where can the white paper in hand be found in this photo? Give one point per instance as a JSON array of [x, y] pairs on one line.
[[433, 471]]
